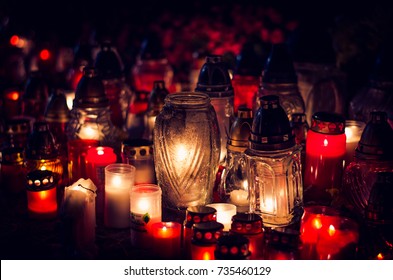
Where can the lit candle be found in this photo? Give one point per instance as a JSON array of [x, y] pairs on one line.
[[79, 215], [145, 211], [119, 178], [166, 239], [239, 197], [353, 132], [204, 240], [327, 235], [90, 131], [225, 212], [97, 159], [41, 194], [70, 96]]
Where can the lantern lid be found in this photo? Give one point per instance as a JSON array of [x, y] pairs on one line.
[[36, 87], [214, 78], [376, 140], [251, 59], [283, 237], [137, 148], [298, 118], [90, 92], [199, 214], [232, 247], [108, 63], [57, 109], [271, 127], [41, 143], [240, 130], [246, 223], [40, 180], [18, 126], [279, 68], [328, 123], [207, 233], [157, 98], [12, 155], [151, 48]]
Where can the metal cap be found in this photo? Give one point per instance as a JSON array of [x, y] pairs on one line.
[[57, 109], [328, 123], [240, 130], [271, 128], [376, 140]]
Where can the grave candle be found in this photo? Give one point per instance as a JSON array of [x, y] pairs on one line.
[[166, 239]]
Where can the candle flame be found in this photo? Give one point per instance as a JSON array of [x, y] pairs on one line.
[[181, 153], [380, 256], [43, 168], [325, 142], [100, 151], [331, 230], [206, 256], [317, 223], [164, 228], [116, 181]]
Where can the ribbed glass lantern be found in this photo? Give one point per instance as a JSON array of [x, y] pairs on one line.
[[186, 150], [274, 166]]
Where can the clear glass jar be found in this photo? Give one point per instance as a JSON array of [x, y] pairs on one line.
[[274, 166], [186, 150]]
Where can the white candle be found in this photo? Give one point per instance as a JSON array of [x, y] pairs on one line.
[[239, 197], [119, 178], [225, 212], [353, 132], [145, 210], [78, 212]]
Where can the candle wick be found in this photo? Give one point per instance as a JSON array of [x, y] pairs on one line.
[[86, 188]]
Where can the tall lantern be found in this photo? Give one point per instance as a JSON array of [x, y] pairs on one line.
[[186, 150], [274, 166]]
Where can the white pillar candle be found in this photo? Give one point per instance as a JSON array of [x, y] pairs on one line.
[[78, 213], [225, 212], [145, 210], [119, 178], [353, 132]]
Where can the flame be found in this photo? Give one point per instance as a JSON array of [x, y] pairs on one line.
[[317, 223], [325, 142], [44, 54], [331, 230]]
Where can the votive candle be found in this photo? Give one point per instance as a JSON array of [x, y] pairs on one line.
[[225, 212], [166, 240]]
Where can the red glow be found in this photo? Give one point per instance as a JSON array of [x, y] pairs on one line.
[[319, 144], [205, 252], [42, 203], [14, 40], [13, 95], [45, 54], [245, 88]]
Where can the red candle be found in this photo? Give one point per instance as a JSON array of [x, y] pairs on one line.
[[41, 194], [325, 151], [245, 88], [166, 239], [97, 158], [327, 235], [77, 151]]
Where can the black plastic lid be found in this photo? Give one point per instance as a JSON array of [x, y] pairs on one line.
[[41, 143], [251, 60], [207, 233], [40, 180], [57, 109], [90, 92], [328, 123], [247, 223], [214, 78], [232, 247], [271, 127], [376, 140], [199, 214], [279, 68], [108, 63]]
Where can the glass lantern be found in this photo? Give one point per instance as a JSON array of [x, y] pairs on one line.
[[274, 166], [186, 150]]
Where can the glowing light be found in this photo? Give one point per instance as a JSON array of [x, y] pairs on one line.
[[380, 256], [181, 153], [325, 142], [14, 40], [43, 167], [143, 205], [116, 181], [317, 223], [100, 151], [13, 95], [44, 54], [331, 230]]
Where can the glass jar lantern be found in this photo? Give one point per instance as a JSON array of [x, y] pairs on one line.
[[186, 150], [274, 166]]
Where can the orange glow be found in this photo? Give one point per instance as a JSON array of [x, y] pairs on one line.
[[317, 223], [380, 256], [207, 256], [42, 202], [44, 54], [13, 95], [14, 40], [331, 230]]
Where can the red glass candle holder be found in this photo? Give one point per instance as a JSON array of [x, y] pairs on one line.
[[166, 240], [325, 234], [325, 151], [97, 159], [204, 240], [41, 194]]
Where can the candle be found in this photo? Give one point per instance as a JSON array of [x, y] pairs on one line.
[[77, 151], [225, 212], [41, 194], [79, 216], [325, 234], [204, 240], [97, 159], [70, 96], [119, 178], [145, 211], [353, 132], [239, 197], [166, 239]]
